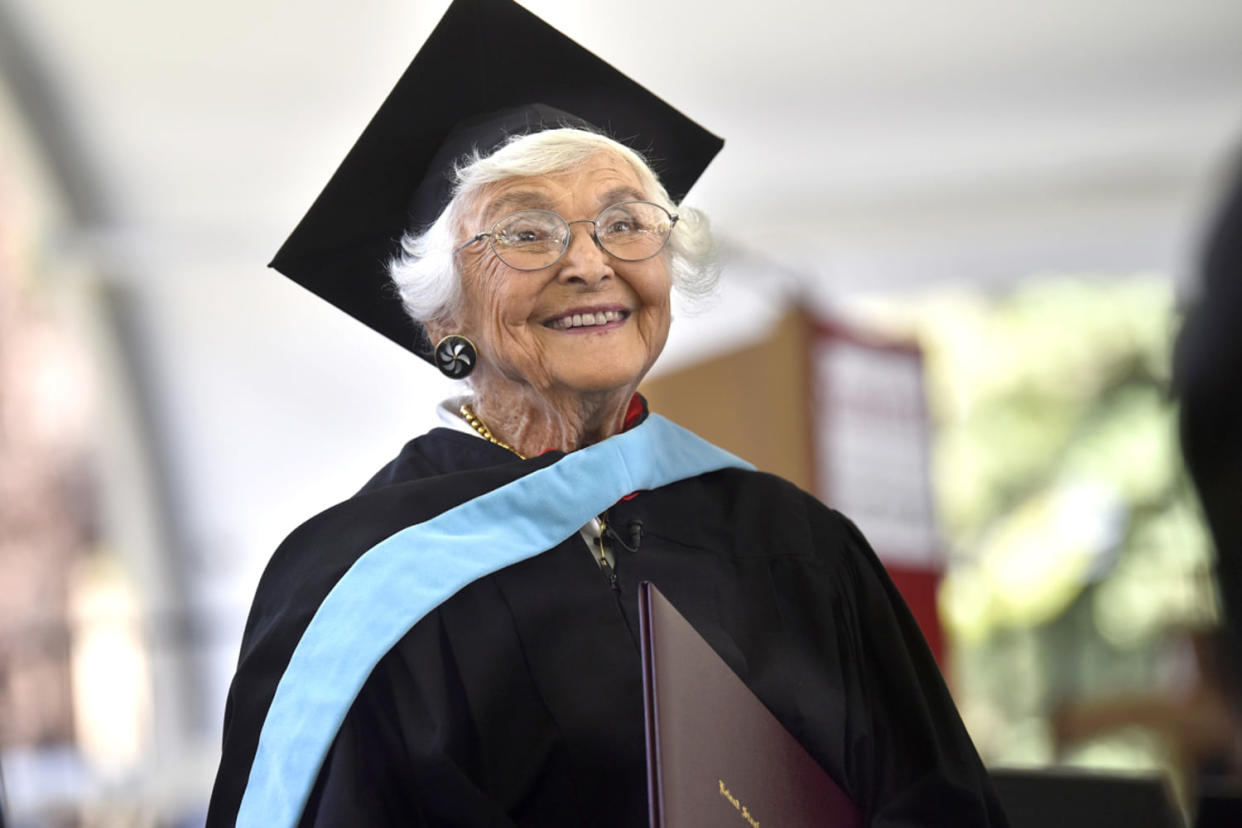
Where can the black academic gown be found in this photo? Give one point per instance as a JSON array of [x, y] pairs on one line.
[[519, 700]]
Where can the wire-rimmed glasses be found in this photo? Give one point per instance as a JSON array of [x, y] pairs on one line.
[[534, 239]]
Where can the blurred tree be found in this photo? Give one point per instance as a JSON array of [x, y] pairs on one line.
[[1076, 554]]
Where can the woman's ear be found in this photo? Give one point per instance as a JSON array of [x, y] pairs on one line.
[[435, 331], [440, 326]]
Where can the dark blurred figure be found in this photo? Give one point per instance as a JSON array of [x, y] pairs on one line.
[[1207, 376]]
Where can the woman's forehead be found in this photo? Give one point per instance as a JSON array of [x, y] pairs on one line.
[[601, 180]]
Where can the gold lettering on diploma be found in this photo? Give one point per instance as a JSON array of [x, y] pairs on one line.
[[737, 804]]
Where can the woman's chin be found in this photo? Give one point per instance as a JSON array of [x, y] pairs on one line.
[[594, 365], [595, 380]]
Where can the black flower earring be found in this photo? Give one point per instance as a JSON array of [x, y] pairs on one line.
[[455, 356]]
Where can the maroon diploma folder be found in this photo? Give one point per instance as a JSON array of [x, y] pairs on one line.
[[716, 757]]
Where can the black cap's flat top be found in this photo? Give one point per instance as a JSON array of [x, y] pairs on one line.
[[476, 81]]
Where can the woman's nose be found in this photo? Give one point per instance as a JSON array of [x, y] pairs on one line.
[[584, 261]]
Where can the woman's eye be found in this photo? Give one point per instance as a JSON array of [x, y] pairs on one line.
[[621, 226], [525, 235]]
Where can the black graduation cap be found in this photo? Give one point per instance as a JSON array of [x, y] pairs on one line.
[[490, 69]]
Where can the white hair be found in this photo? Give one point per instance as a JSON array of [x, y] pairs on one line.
[[425, 272]]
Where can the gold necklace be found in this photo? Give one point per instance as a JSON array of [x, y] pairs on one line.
[[486, 433]]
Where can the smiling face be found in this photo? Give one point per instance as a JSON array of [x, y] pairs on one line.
[[586, 325]]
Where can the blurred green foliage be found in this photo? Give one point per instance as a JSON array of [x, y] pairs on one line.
[[1076, 555]]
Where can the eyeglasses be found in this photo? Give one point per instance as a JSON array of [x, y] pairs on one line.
[[534, 239]]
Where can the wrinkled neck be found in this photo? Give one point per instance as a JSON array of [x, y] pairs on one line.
[[533, 422]]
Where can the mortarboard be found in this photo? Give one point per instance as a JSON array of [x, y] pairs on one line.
[[489, 70]]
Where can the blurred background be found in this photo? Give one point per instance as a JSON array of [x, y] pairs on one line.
[[955, 246]]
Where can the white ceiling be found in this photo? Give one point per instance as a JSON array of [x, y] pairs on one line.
[[213, 125]]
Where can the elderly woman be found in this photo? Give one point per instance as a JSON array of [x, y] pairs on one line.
[[457, 643]]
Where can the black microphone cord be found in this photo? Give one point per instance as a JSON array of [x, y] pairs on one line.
[[635, 528]]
